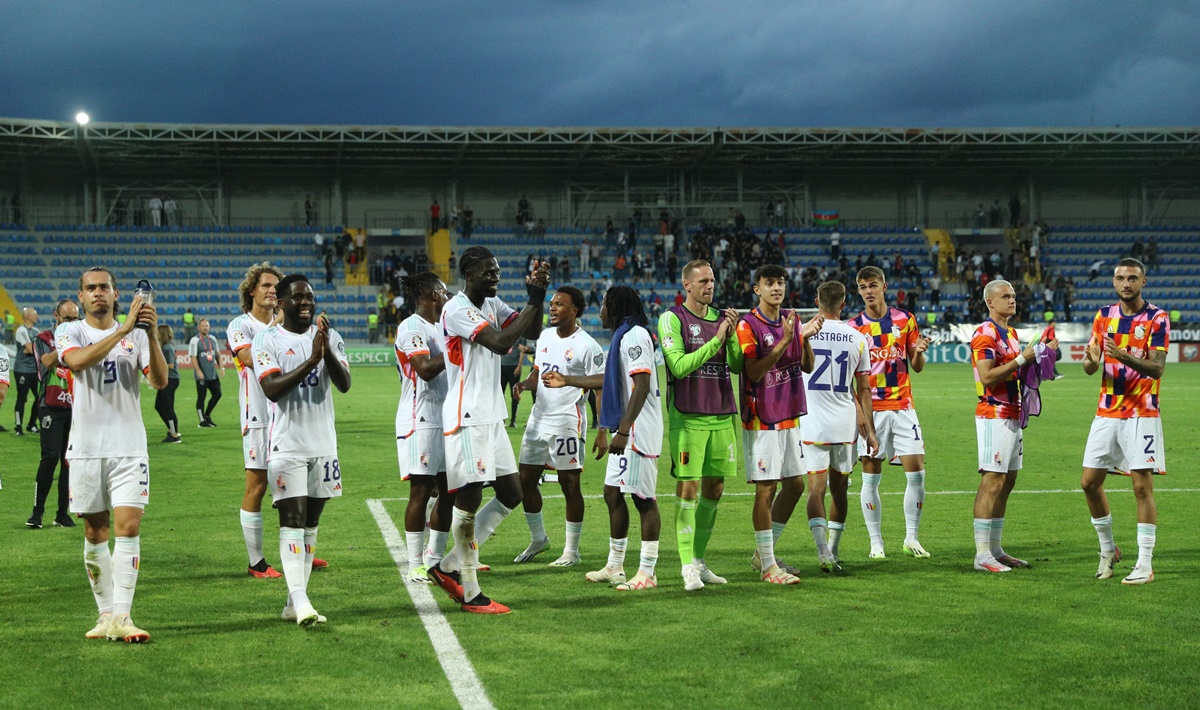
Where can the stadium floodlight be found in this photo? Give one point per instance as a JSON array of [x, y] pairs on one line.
[[82, 118]]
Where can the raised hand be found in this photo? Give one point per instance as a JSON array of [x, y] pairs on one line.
[[553, 380], [921, 345], [813, 326]]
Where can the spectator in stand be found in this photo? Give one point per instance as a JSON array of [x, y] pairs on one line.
[[468, 223], [594, 296], [897, 265], [539, 231], [360, 245], [435, 216], [619, 268], [156, 206], [935, 288], [585, 252], [455, 211], [1138, 249], [610, 230], [835, 244], [995, 213], [664, 222], [566, 270], [669, 242], [980, 216], [1094, 269], [318, 245], [1068, 297], [328, 270], [310, 211], [169, 207], [138, 210], [523, 212], [1152, 253], [779, 207], [1014, 212], [672, 266], [679, 298]]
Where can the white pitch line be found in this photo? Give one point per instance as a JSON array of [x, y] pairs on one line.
[[455, 664], [900, 493]]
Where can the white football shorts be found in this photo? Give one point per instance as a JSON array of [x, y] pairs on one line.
[[421, 453], [478, 454], [254, 449], [1124, 445], [100, 484], [633, 473], [318, 477], [561, 451], [772, 454], [1001, 445], [821, 458]]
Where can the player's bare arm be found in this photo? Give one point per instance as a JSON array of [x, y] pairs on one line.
[[637, 398], [527, 324], [339, 375], [528, 384], [600, 444], [808, 360], [554, 380], [157, 374], [277, 385], [989, 374], [1151, 366], [81, 359], [866, 413], [916, 354], [427, 366], [757, 368]]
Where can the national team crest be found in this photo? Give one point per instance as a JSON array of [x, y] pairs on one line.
[[253, 454], [1139, 332], [895, 331], [762, 467], [683, 458], [569, 355], [280, 484], [481, 467], [126, 346], [997, 458], [424, 459]]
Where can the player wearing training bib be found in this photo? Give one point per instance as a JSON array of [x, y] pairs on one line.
[[296, 362], [5, 377], [477, 329], [1129, 342], [777, 354], [630, 409], [895, 347], [106, 449], [839, 413], [420, 445], [700, 349], [257, 294], [554, 436], [997, 356]]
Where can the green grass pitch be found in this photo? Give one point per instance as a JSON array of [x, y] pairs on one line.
[[897, 632]]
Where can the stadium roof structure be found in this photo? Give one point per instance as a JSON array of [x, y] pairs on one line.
[[147, 151]]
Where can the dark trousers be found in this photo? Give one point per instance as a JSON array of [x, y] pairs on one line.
[[164, 404], [26, 382], [55, 426], [206, 387]]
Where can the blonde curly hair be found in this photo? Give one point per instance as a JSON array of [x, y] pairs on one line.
[[250, 282]]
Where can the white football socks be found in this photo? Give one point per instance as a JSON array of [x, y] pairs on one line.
[[574, 530], [649, 558], [914, 503], [835, 536], [872, 515], [97, 560], [436, 547], [983, 539], [291, 559], [252, 532], [997, 531], [616, 552], [777, 531], [819, 529], [537, 528], [310, 551], [488, 519], [463, 528], [764, 542], [125, 563], [1146, 534], [1104, 532], [416, 548]]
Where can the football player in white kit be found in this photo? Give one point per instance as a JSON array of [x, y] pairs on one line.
[[554, 436], [295, 362], [257, 293], [634, 415], [106, 450], [839, 412], [420, 448], [477, 329]]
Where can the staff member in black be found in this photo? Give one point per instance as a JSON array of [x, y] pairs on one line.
[[206, 359], [164, 401], [53, 409]]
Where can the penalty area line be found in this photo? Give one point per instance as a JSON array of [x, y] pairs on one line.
[[453, 659], [1018, 491]]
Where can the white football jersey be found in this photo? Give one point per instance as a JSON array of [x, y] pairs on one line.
[[251, 400], [473, 394], [106, 416], [840, 352], [564, 409], [302, 421], [637, 355], [420, 401], [4, 366]]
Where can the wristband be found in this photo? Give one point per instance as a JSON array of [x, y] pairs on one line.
[[621, 433], [1021, 360], [537, 294]]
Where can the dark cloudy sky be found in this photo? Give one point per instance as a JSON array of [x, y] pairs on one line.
[[605, 63]]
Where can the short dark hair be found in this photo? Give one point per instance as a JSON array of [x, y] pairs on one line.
[[472, 257], [283, 289], [577, 298], [1130, 261], [418, 285], [770, 271]]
